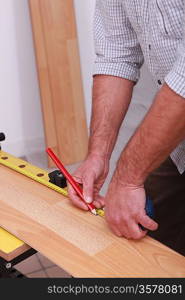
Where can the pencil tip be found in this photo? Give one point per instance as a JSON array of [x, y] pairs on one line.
[[94, 212]]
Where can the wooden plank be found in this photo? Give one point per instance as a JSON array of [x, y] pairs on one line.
[[58, 65], [78, 241], [44, 77], [11, 246]]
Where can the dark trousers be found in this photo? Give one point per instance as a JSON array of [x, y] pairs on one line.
[[166, 187]]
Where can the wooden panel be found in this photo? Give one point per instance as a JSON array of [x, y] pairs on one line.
[[58, 65], [78, 241]]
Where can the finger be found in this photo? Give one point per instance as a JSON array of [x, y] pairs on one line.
[[115, 230], [147, 222], [88, 187], [77, 179], [71, 190], [99, 202], [136, 233], [117, 227], [110, 224], [77, 201], [125, 230]]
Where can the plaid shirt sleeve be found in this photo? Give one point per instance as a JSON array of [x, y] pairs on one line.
[[117, 49], [176, 77]]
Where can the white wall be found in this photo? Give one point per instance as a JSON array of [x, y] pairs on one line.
[[20, 112], [84, 18]]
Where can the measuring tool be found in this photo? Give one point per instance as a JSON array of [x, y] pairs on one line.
[[37, 174]]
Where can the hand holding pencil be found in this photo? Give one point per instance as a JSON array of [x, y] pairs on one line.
[[91, 174], [70, 179]]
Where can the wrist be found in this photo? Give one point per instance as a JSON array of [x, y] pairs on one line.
[[97, 156], [101, 145], [128, 173]]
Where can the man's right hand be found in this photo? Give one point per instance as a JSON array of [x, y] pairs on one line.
[[91, 174]]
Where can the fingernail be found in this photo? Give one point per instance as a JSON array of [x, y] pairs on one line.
[[88, 199]]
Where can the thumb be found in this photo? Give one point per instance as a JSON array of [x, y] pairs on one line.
[[88, 187], [148, 223]]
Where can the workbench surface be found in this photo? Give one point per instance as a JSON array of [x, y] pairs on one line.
[[77, 241]]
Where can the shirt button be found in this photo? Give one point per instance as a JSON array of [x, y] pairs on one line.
[[159, 82]]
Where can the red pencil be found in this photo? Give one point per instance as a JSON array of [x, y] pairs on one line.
[[74, 184]]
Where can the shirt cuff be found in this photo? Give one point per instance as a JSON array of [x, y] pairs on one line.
[[123, 70], [176, 82]]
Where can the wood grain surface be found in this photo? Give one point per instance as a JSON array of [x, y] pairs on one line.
[[58, 64], [78, 241]]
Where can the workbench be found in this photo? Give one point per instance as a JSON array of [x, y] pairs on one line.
[[12, 252], [77, 241]]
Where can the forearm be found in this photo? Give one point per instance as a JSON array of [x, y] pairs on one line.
[[160, 132], [111, 98]]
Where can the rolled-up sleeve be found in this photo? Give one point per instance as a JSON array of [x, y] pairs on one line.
[[176, 77], [117, 49]]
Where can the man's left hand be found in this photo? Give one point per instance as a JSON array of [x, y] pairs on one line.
[[125, 210]]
